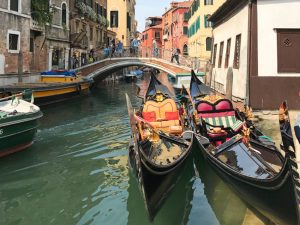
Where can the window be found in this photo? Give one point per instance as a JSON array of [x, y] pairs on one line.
[[221, 54], [14, 5], [185, 30], [208, 2], [185, 50], [91, 33], [206, 22], [89, 3], [114, 20], [186, 17], [288, 48], [146, 36], [55, 57], [227, 54], [64, 14], [31, 45], [208, 43], [215, 54], [128, 22], [198, 23], [157, 35], [13, 41], [237, 49]]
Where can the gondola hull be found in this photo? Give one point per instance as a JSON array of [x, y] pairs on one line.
[[273, 198], [156, 183]]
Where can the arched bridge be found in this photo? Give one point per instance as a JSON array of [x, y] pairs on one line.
[[102, 68]]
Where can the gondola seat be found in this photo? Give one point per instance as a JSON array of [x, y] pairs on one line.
[[163, 115], [219, 114]]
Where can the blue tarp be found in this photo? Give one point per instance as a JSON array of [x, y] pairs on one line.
[[60, 72], [137, 72]]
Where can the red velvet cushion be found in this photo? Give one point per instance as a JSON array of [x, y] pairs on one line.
[[223, 105], [203, 106], [149, 116], [172, 115]]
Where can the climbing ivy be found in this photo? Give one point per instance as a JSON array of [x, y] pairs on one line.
[[42, 12]]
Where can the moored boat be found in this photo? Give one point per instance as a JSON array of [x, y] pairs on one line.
[[18, 124], [133, 75], [53, 87], [259, 172], [159, 146]]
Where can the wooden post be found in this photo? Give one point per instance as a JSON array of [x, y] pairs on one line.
[[20, 66], [229, 83]]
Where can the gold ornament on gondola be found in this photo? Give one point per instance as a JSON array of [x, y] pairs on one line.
[[246, 136], [248, 112]]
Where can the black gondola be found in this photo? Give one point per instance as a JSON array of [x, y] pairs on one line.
[[258, 172], [159, 146]]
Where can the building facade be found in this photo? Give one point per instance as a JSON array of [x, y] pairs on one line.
[[52, 48], [153, 31], [175, 27], [199, 28], [88, 30], [14, 35], [121, 15], [261, 48]]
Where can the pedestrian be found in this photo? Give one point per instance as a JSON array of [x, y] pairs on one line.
[[112, 47], [135, 46], [120, 48], [175, 54], [154, 48]]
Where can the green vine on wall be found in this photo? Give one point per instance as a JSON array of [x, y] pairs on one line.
[[42, 12]]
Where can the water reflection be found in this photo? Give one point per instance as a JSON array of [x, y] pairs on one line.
[[77, 173]]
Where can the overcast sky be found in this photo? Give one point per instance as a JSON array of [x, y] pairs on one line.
[[146, 8]]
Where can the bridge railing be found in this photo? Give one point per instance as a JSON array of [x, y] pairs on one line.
[[146, 52]]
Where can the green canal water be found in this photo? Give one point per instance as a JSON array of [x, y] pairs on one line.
[[77, 173]]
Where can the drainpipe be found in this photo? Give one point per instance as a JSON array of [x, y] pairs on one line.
[[20, 66], [249, 53]]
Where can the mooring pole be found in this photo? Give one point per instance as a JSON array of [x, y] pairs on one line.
[[20, 66]]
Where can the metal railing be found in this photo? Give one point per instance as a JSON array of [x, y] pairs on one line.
[[145, 52]]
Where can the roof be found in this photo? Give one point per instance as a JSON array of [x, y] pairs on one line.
[[226, 10], [154, 17], [175, 5], [159, 26]]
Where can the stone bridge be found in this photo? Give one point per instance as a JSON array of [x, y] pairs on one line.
[[101, 69], [105, 67]]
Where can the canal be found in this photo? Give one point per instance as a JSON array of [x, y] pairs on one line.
[[77, 173]]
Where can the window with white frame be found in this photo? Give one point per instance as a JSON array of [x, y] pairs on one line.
[[13, 41], [14, 5]]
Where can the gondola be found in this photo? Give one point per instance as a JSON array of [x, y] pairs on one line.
[[159, 146], [260, 173], [206, 103]]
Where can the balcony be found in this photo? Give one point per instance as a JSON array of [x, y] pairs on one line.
[[79, 40], [34, 25]]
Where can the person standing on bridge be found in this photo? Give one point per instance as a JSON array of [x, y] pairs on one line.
[[120, 48], [135, 46], [154, 48], [175, 54]]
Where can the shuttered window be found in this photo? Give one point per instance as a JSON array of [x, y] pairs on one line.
[[237, 50], [227, 54], [221, 54], [215, 54]]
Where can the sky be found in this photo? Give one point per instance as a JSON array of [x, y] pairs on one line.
[[146, 8]]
